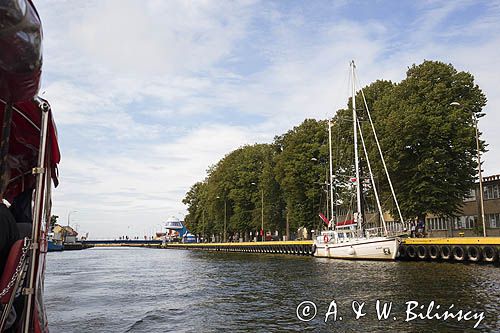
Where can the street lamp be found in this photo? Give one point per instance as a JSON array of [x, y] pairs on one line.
[[314, 159], [225, 218], [478, 165], [69, 215], [262, 211]]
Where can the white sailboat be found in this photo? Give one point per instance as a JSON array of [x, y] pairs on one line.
[[347, 239]]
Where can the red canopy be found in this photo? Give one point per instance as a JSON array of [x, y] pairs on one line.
[[25, 143], [21, 55]]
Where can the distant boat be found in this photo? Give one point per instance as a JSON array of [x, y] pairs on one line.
[[189, 238], [176, 230], [54, 247], [348, 239], [52, 244], [174, 223]]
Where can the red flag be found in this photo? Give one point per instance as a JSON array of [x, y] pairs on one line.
[[261, 232], [323, 217]]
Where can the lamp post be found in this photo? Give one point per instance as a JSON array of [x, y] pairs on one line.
[[225, 218], [314, 159], [69, 215], [262, 212], [481, 193]]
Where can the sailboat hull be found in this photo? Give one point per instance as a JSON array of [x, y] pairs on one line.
[[375, 248]]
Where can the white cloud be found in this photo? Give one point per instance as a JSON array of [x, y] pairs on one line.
[[149, 94]]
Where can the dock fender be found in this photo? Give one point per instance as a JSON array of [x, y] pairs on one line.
[[433, 252], [422, 252], [351, 251], [313, 249], [489, 253], [411, 252], [445, 252], [474, 253], [458, 253], [402, 251]]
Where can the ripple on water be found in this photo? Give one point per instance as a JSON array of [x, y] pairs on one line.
[[138, 290]]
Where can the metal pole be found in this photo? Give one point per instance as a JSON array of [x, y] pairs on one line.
[[262, 215], [327, 198], [69, 216], [225, 220], [331, 171], [287, 225], [481, 193], [356, 157], [41, 173]]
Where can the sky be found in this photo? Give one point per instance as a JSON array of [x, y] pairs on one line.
[[147, 94]]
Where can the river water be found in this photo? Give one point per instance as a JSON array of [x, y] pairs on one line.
[[155, 290]]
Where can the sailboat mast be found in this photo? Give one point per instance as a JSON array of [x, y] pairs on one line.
[[356, 157], [332, 208]]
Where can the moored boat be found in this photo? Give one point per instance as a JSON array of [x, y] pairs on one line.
[[29, 153], [349, 239], [52, 244]]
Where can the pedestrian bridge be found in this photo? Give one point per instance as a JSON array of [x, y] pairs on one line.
[[122, 242]]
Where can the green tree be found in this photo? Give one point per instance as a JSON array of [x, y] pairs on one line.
[[194, 201], [300, 177], [53, 220], [236, 183], [429, 144]]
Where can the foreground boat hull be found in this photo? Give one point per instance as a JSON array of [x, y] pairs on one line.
[[379, 248]]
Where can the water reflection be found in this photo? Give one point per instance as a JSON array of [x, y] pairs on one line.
[[136, 290]]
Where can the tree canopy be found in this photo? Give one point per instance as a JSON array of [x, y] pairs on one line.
[[426, 131]]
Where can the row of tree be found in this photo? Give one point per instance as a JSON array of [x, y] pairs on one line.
[[427, 139]]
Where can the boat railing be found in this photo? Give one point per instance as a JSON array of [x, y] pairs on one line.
[[379, 232]]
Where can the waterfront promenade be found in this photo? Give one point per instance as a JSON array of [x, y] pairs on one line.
[[457, 249]]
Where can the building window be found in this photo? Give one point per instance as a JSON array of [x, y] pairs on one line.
[[465, 222], [491, 192], [493, 220], [437, 223], [471, 196], [470, 222]]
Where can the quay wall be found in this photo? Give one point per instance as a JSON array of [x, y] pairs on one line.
[[458, 249]]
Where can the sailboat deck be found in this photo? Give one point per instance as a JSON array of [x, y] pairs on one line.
[[453, 241]]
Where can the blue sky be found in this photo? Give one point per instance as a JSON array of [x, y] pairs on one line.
[[147, 94]]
